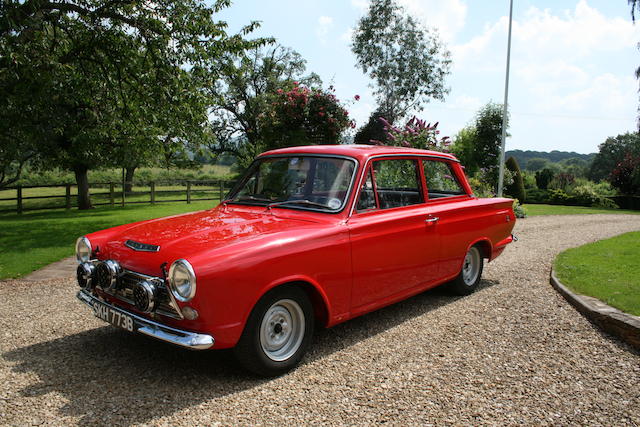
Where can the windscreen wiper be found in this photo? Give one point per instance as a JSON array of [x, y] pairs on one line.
[[298, 202]]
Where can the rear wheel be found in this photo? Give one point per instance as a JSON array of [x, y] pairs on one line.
[[470, 274], [278, 332]]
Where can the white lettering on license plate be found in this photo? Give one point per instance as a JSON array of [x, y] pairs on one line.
[[112, 316]]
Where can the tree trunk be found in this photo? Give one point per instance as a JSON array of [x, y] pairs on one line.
[[82, 179], [128, 178]]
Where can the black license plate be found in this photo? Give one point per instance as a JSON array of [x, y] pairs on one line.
[[115, 317]]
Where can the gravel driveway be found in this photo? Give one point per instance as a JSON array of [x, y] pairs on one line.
[[513, 352]]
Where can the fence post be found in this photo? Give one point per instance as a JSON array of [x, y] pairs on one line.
[[188, 191], [19, 198], [153, 192], [221, 190], [68, 195], [111, 198]]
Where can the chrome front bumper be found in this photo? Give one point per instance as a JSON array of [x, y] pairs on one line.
[[153, 329]]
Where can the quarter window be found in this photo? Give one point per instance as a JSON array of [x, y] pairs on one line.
[[441, 180]]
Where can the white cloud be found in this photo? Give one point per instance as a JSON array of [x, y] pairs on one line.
[[322, 30], [448, 17]]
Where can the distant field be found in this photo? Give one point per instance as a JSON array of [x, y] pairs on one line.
[[535, 210]]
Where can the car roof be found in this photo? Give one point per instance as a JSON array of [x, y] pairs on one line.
[[361, 152]]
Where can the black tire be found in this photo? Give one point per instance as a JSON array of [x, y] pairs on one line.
[[267, 349], [470, 273]]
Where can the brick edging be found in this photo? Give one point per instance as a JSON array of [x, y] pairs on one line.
[[622, 325]]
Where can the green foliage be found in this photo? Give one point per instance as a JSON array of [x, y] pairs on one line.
[[563, 181], [516, 188], [407, 63], [543, 178], [607, 270], [611, 153], [106, 83], [478, 146], [247, 81], [585, 195], [536, 195], [302, 116], [551, 157], [463, 148], [535, 164], [373, 130], [518, 209]]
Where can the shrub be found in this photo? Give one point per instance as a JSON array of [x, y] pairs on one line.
[[544, 177], [516, 188], [535, 195], [560, 197], [585, 196], [518, 209]]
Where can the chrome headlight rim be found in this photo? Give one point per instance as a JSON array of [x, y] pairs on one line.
[[192, 280], [87, 245]]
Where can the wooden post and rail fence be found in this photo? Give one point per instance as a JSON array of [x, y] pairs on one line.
[[37, 197]]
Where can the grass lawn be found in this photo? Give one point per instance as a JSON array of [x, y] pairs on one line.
[[535, 210], [35, 239], [607, 270]]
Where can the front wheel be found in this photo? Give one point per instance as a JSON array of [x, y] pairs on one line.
[[278, 332], [469, 277]]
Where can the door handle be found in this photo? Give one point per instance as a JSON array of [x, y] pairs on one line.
[[431, 219]]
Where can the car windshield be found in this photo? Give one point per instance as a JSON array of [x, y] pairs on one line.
[[299, 182]]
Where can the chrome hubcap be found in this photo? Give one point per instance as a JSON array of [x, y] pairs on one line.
[[282, 330], [471, 266]]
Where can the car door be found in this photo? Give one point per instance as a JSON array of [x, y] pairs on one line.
[[457, 223], [394, 247]]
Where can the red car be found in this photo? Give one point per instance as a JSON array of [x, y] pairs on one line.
[[310, 236]]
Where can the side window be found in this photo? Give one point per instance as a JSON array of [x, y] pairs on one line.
[[441, 181], [397, 183], [367, 199]]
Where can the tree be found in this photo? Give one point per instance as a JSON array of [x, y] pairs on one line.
[[247, 80], [611, 152], [535, 164], [516, 188], [543, 178], [626, 175], [408, 64], [373, 130], [479, 144], [107, 81], [301, 116]]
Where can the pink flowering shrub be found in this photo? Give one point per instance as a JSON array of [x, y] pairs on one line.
[[302, 115], [416, 133]]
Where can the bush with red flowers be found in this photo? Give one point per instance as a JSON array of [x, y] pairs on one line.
[[302, 115], [626, 175]]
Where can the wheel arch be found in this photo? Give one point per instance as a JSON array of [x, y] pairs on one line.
[[485, 246], [317, 296]]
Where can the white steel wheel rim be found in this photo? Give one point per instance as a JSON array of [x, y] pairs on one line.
[[471, 267], [282, 330]]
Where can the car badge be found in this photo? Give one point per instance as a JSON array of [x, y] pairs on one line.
[[142, 247]]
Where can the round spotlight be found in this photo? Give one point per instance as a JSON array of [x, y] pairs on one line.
[[107, 273], [85, 273], [144, 296]]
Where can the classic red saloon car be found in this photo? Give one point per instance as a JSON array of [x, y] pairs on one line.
[[309, 236]]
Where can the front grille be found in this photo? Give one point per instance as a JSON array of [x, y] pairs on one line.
[[125, 291]]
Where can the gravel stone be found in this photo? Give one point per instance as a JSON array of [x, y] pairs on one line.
[[512, 353]]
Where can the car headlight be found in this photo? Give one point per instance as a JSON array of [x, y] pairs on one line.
[[183, 280], [83, 249]]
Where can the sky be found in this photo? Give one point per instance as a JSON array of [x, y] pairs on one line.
[[572, 80]]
